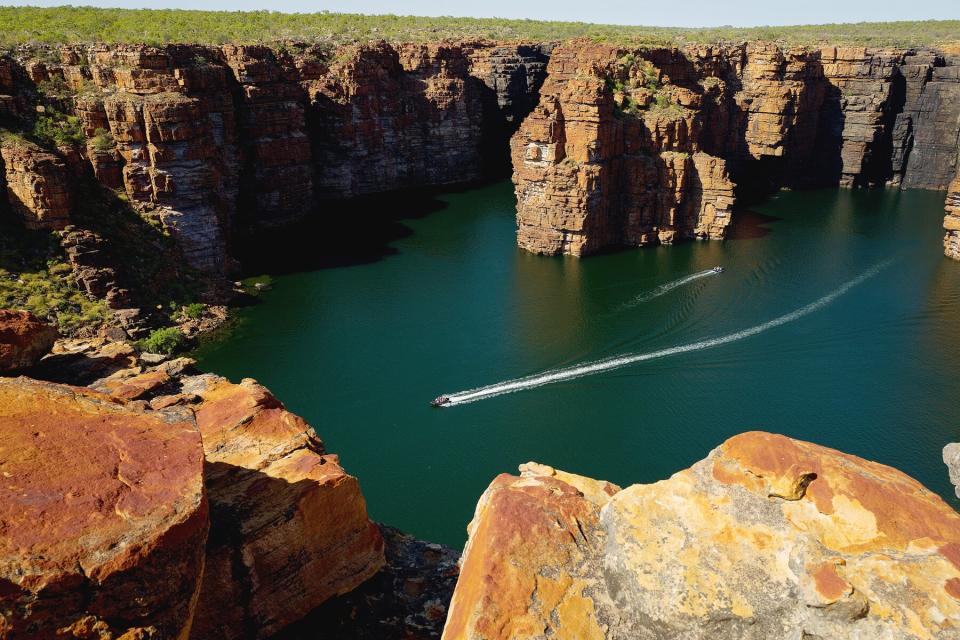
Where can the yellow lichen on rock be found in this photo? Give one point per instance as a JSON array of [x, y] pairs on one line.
[[768, 537]]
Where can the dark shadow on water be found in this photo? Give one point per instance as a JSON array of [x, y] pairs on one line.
[[338, 233], [749, 224]]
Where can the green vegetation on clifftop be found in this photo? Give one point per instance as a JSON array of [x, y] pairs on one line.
[[59, 25]]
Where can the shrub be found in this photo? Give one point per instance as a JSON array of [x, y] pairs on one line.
[[194, 311], [165, 340], [102, 140], [57, 129]]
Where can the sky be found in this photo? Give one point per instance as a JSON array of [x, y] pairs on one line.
[[675, 13]]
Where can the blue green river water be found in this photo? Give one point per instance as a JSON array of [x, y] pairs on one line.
[[839, 322]]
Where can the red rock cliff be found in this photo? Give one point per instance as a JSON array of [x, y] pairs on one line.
[[632, 147]]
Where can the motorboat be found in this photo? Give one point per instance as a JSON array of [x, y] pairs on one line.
[[439, 401], [718, 269]]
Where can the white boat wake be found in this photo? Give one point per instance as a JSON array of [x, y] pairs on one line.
[[668, 287], [616, 362]]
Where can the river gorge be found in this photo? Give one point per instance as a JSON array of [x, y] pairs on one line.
[[362, 349], [661, 272]]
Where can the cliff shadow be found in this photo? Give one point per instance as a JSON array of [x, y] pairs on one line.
[[749, 224], [412, 590], [339, 233]]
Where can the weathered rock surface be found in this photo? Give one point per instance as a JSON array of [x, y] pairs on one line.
[[767, 537], [24, 339], [951, 457], [103, 514], [289, 525], [951, 220], [37, 184]]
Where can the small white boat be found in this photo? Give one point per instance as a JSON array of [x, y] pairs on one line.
[[439, 401]]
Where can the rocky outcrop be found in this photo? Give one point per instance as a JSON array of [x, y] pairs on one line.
[[951, 220], [289, 525], [595, 165], [605, 161], [92, 264], [24, 339], [289, 528], [951, 457], [767, 537], [37, 184], [103, 513]]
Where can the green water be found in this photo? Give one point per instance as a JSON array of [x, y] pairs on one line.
[[360, 350]]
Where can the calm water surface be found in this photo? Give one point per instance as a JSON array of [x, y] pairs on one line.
[[360, 350]]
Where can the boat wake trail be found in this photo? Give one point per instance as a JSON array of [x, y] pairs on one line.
[[668, 287], [616, 362]]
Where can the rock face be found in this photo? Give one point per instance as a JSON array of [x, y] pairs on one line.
[[24, 339], [633, 147], [396, 117], [951, 457], [289, 525], [592, 170], [767, 537], [289, 528], [208, 140], [37, 184], [951, 221], [103, 513]]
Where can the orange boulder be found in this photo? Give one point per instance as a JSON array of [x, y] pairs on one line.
[[24, 339], [103, 516]]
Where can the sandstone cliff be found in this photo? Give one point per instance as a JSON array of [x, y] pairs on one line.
[[209, 140], [951, 220], [37, 184], [767, 537], [641, 146]]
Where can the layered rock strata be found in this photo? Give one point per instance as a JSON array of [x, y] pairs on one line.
[[205, 140], [24, 339], [951, 220], [767, 537], [103, 512], [596, 164], [37, 184], [595, 167]]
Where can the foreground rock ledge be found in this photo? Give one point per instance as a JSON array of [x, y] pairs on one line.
[[768, 537], [289, 526], [102, 514]]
